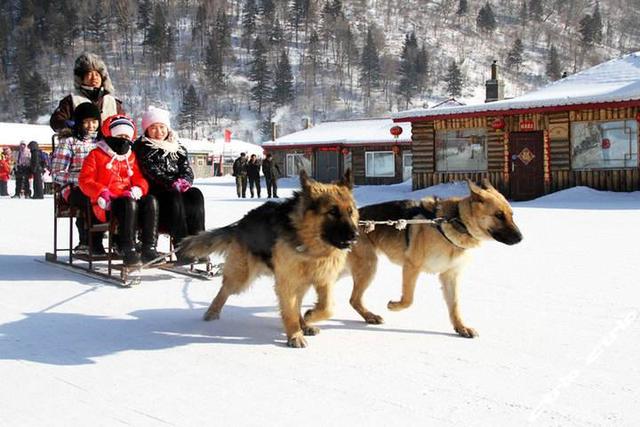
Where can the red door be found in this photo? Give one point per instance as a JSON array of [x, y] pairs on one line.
[[526, 163]]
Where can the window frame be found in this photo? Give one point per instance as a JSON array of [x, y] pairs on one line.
[[602, 167], [478, 131], [373, 153]]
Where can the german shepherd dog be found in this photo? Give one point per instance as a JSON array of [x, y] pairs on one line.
[[302, 242], [443, 249]]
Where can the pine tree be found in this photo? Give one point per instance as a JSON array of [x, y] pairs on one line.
[[523, 16], [369, 67], [514, 56], [408, 85], [260, 75], [283, 93], [36, 96], [554, 69], [422, 68], [596, 23], [249, 14], [276, 37], [191, 111], [297, 16], [486, 20], [97, 24], [463, 8], [454, 80], [267, 16], [536, 11]]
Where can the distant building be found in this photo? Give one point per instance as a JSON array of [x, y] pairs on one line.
[[328, 149], [12, 133], [580, 130], [213, 158]]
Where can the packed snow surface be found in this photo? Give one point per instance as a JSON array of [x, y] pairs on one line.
[[558, 317]]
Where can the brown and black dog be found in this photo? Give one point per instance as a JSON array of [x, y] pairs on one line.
[[484, 215], [302, 241]]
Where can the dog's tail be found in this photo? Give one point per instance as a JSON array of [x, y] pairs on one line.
[[207, 242]]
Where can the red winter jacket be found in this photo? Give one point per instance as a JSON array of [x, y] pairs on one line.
[[96, 175], [5, 170]]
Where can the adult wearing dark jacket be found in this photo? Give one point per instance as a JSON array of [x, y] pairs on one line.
[[91, 84], [37, 170], [271, 172], [22, 170], [165, 165], [253, 173], [240, 172]]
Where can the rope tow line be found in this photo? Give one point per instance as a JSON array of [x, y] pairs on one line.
[[399, 224]]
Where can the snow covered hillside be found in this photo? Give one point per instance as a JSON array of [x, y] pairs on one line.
[[558, 317]]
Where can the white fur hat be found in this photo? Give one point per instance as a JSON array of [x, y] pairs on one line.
[[155, 115]]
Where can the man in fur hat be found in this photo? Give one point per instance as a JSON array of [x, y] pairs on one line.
[[92, 84]]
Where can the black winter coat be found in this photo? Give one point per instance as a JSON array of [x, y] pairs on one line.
[[240, 167], [270, 169], [253, 169], [161, 171]]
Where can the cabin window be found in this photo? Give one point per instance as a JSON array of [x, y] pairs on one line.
[[380, 164], [296, 163], [603, 145], [461, 150]]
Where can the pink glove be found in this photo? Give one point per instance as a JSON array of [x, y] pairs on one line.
[[104, 199], [134, 193], [181, 185]]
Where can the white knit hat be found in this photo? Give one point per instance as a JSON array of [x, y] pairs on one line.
[[155, 115]]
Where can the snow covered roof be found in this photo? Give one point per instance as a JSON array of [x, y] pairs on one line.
[[344, 132], [617, 80], [218, 147], [13, 133]]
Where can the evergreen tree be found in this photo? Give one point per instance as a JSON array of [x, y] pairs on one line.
[[191, 111], [514, 56], [536, 12], [312, 60], [596, 23], [283, 92], [369, 67], [554, 69], [276, 37], [260, 75], [408, 85], [454, 80], [249, 14], [523, 16], [267, 17], [36, 96], [486, 20], [463, 8], [97, 24], [297, 15], [422, 68]]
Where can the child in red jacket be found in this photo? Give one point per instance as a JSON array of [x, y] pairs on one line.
[[110, 177], [5, 170]]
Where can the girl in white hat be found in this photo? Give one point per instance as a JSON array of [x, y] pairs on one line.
[[165, 165]]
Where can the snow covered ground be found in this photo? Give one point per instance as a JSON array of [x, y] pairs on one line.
[[558, 317]]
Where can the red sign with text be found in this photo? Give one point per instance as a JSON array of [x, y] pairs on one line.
[[527, 125]]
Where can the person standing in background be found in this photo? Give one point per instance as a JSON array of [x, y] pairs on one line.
[[271, 172], [22, 169], [240, 172], [253, 173], [37, 170]]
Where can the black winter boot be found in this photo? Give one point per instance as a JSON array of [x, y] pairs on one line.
[[126, 211], [149, 222], [130, 257]]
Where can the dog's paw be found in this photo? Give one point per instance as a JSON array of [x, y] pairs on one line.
[[397, 305], [466, 332], [297, 341], [308, 315], [310, 330], [373, 319], [211, 315]]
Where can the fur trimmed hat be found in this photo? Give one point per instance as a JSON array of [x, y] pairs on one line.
[[89, 62], [86, 110], [155, 115]]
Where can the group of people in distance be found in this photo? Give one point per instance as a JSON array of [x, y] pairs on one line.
[[102, 166], [244, 170], [28, 163]]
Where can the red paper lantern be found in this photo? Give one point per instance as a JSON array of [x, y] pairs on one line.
[[498, 123], [396, 131]]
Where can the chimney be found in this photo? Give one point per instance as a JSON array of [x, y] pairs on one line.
[[494, 87], [306, 123], [274, 131]]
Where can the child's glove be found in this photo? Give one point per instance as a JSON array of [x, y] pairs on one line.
[[181, 185], [104, 199], [134, 193]]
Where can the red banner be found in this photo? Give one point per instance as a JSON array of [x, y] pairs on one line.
[[227, 135]]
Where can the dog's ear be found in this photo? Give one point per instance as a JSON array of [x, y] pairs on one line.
[[305, 182], [474, 191], [346, 180], [486, 185]]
